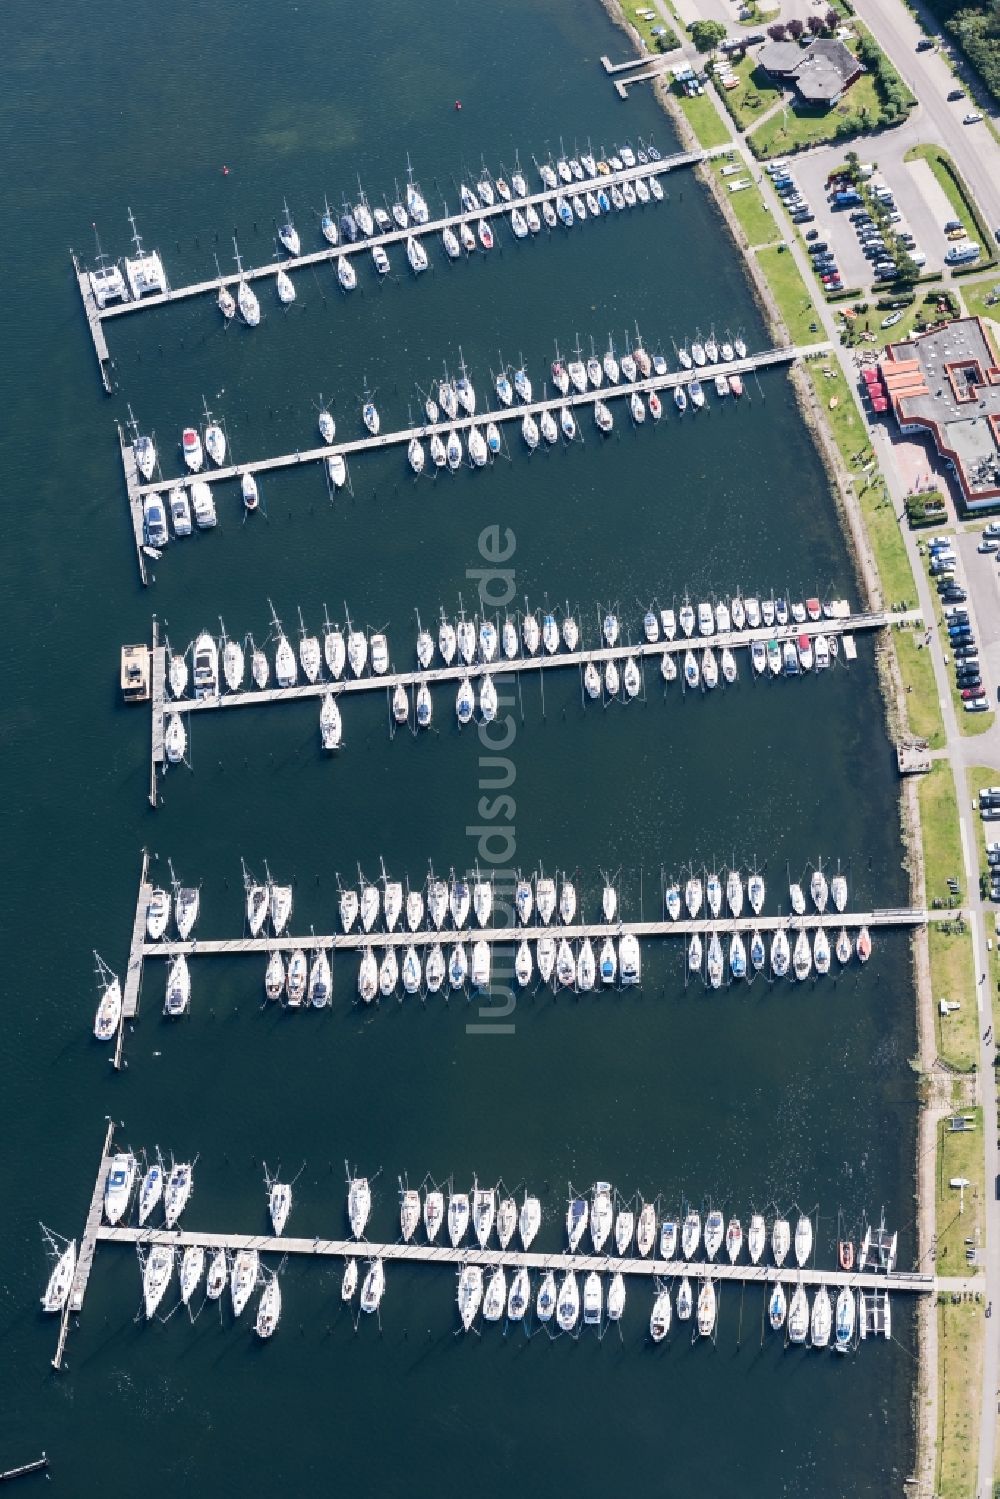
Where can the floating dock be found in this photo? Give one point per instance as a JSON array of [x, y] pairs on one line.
[[513, 1259], [93, 315], [288, 263], [766, 359], [161, 706], [88, 1246]]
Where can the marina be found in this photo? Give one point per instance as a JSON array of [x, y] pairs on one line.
[[653, 1257], [417, 231], [609, 662]]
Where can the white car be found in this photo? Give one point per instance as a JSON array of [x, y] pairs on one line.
[[972, 119], [988, 544]]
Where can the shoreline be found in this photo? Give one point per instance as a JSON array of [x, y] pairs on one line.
[[924, 1402]]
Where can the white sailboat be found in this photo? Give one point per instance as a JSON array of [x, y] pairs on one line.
[[359, 1204], [268, 1309], [373, 1287], [156, 1277], [61, 1280]]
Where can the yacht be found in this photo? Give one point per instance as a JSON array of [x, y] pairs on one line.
[[177, 1192], [822, 1317], [286, 290], [645, 1232], [150, 1193], [845, 946], [802, 957], [844, 1320], [776, 1307], [433, 1214], [568, 1303], [685, 1300], [458, 1217], [156, 1277], [359, 1205], [713, 961], [714, 1233], [349, 1283], [346, 274], [218, 1275], [192, 1269], [274, 976], [838, 891], [707, 1307], [495, 1299], [545, 898], [436, 969], [388, 974], [734, 892], [320, 983], [577, 1216], [288, 235], [734, 1240], [624, 1230], [565, 965], [659, 1320], [178, 990], [373, 1287], [506, 1220], [416, 255], [246, 1267], [780, 953], [668, 1238], [523, 964], [756, 1238], [798, 1316], [601, 1215], [470, 1293], [695, 953], [690, 1235], [529, 1220], [821, 951], [58, 1288], [864, 945], [755, 892], [803, 1240], [191, 446], [593, 1299], [757, 951], [781, 1238], [109, 1011], [818, 890], [246, 301]]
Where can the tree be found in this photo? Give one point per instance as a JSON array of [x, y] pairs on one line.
[[831, 20], [907, 270], [777, 32], [707, 34], [815, 25], [796, 27]]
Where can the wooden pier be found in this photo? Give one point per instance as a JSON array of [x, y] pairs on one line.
[[845, 626], [88, 1246], [766, 359], [512, 1259], [290, 263], [93, 316], [726, 926], [134, 492], [133, 974], [38, 1466]]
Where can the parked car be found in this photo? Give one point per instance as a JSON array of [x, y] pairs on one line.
[[971, 692], [979, 705], [925, 44], [972, 119], [806, 217], [988, 544], [812, 234]]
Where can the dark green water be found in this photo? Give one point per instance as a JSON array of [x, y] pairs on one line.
[[751, 1097]]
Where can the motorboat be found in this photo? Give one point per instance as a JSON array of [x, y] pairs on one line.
[[458, 1217], [803, 1240], [845, 947], [780, 953], [180, 513], [659, 1320], [593, 1299], [177, 1192], [246, 1268], [685, 1300], [61, 1280], [156, 1277], [373, 1287], [192, 1269], [336, 467], [359, 1204], [630, 960], [346, 274], [781, 1238], [707, 1309], [669, 1231], [758, 952], [433, 1214], [695, 953], [690, 1235], [844, 1320], [320, 985], [192, 450], [568, 1303], [737, 956], [776, 1307], [109, 1011], [821, 951]]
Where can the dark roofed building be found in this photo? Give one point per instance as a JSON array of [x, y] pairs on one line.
[[946, 383], [821, 73]]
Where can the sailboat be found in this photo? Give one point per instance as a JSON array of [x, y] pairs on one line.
[[288, 235], [268, 1309], [61, 1279]]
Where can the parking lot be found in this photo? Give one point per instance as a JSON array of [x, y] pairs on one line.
[[922, 206]]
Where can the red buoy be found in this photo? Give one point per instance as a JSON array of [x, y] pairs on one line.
[[458, 103], [225, 171]]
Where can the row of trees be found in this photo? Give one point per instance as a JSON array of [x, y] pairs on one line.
[[783, 31], [977, 30]]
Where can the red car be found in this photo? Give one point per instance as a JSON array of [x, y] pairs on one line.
[[971, 692]]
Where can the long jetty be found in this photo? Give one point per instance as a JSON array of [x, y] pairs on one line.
[[357, 941], [97, 315], [88, 1245], [766, 359], [562, 1260]]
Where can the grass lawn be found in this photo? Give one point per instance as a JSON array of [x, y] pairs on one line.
[[941, 838], [961, 1329], [977, 294], [645, 28], [755, 94], [792, 128], [898, 587], [923, 711], [756, 219], [953, 977], [959, 1155], [791, 293], [704, 119]]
